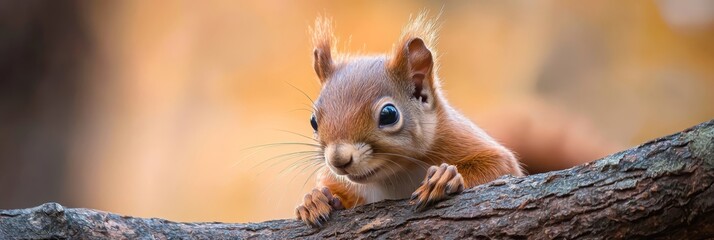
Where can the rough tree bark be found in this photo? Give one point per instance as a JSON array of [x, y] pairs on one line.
[[661, 189]]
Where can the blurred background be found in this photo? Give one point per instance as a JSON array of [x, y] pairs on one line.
[[149, 108]]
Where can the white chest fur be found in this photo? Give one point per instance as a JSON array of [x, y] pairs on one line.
[[399, 186]]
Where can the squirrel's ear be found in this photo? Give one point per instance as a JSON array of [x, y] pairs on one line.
[[322, 39], [419, 60], [414, 63], [418, 68], [322, 63]]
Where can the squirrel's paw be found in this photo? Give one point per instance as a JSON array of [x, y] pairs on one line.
[[316, 207], [441, 182]]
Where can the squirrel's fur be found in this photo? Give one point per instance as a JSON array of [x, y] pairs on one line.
[[368, 162]]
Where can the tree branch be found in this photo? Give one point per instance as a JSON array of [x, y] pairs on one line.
[[661, 189]]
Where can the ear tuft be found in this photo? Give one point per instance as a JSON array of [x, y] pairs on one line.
[[421, 27], [323, 39]]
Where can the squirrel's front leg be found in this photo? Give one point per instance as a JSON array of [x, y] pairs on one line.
[[441, 182], [317, 206]]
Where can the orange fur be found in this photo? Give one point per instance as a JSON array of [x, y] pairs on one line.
[[340, 189], [480, 159]]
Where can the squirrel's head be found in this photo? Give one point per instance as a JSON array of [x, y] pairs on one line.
[[376, 115]]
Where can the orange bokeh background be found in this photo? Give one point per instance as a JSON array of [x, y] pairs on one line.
[[174, 92]]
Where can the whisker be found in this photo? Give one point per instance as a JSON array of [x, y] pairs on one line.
[[397, 165], [300, 162], [303, 93], [400, 178], [249, 158], [394, 173], [301, 135], [282, 144], [256, 149], [310, 176], [293, 177], [440, 156], [285, 155], [300, 159], [414, 160], [316, 163], [301, 109], [310, 106], [305, 165]]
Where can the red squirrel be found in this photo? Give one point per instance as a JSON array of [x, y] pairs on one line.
[[387, 132]]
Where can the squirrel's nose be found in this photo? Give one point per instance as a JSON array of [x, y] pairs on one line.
[[339, 162], [341, 155]]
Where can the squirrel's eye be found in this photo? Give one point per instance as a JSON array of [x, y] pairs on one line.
[[389, 115], [313, 122]]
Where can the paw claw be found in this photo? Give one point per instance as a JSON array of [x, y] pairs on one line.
[[420, 206], [441, 182], [336, 204], [317, 206]]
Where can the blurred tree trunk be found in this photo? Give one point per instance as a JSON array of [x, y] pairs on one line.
[[661, 189], [42, 46]]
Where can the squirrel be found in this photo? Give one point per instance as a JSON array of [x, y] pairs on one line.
[[386, 131]]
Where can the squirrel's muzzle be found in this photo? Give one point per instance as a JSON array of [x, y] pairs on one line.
[[341, 156]]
